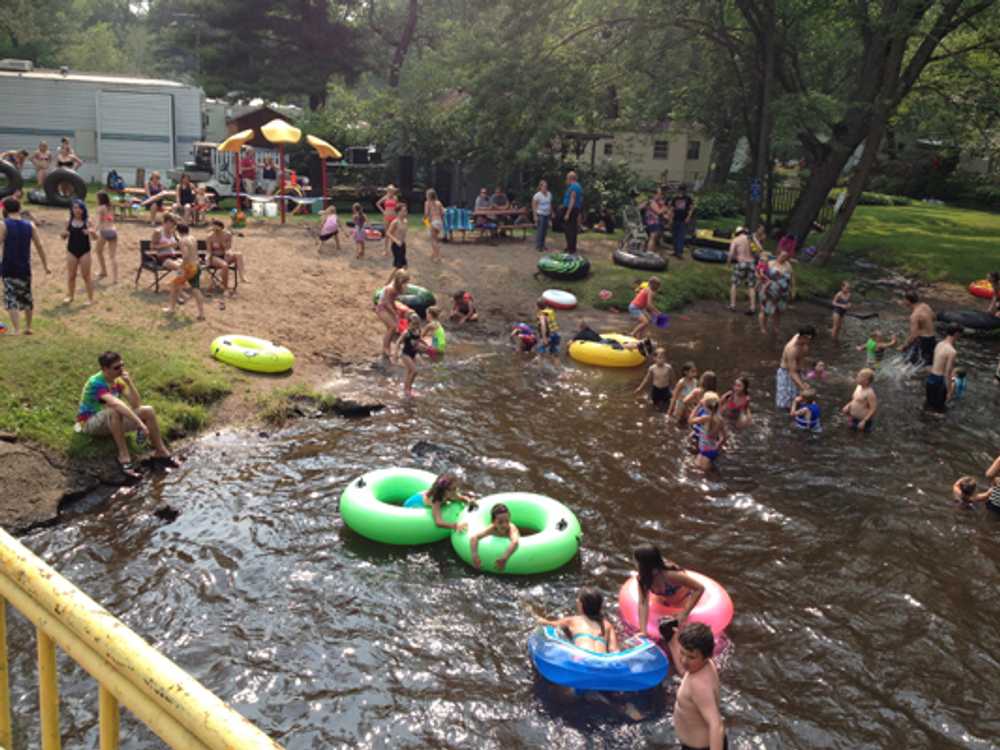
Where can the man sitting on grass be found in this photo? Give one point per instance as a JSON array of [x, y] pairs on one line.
[[104, 412]]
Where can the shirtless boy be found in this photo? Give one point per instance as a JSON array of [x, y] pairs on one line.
[[939, 382], [788, 379], [743, 272], [697, 719], [660, 376], [188, 273], [920, 342], [863, 404]]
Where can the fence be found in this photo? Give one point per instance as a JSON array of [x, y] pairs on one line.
[[780, 200], [129, 671]]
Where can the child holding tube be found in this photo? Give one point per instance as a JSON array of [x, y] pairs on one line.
[[444, 490], [501, 526]]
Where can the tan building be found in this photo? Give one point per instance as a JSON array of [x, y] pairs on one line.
[[669, 154]]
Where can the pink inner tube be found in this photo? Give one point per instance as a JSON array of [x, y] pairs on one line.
[[715, 608]]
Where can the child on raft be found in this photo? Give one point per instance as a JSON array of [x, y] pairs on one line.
[[841, 304], [687, 383], [713, 433], [660, 379], [189, 274], [860, 410], [501, 526], [806, 412], [524, 336], [548, 328], [587, 628], [667, 581], [642, 306], [875, 347], [445, 490], [586, 333], [463, 308], [735, 403], [385, 309], [358, 216], [330, 227]]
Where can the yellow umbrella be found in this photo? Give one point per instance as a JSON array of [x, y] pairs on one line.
[[325, 151], [281, 132], [232, 145]]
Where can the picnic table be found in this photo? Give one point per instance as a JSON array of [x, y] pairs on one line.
[[500, 220]]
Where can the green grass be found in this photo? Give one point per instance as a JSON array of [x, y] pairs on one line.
[[279, 405], [42, 377]]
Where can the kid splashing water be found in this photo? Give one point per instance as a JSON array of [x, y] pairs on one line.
[[875, 347], [735, 404], [713, 431], [587, 628], [446, 489], [501, 526]]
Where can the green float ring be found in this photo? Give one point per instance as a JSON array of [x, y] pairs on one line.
[[564, 266], [417, 298], [372, 504], [555, 542]]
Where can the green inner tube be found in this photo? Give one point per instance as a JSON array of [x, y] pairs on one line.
[[554, 543], [371, 505], [564, 266], [415, 297]]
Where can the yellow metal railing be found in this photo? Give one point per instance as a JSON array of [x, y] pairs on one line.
[[130, 672]]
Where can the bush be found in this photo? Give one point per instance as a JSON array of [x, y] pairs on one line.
[[712, 204]]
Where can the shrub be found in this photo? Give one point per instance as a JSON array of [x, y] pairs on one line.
[[712, 204]]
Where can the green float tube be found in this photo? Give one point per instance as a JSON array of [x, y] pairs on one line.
[[372, 505], [555, 541]]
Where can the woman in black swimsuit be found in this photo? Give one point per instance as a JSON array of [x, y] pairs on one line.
[[78, 234], [186, 198]]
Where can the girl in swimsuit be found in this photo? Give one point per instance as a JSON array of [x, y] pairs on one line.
[[444, 490], [665, 580], [107, 234], [387, 205], [385, 310], [78, 234], [841, 303], [687, 383], [42, 162], [736, 403], [587, 628], [692, 405], [713, 431], [359, 229], [434, 211]]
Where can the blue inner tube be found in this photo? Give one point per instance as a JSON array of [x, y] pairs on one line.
[[640, 667]]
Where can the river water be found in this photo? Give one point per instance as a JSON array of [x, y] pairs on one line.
[[866, 602]]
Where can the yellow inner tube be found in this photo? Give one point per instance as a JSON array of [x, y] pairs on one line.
[[250, 353], [602, 355]]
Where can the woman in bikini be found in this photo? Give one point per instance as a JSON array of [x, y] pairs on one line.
[[78, 235], [387, 205], [67, 158], [221, 255], [385, 310], [107, 235], [42, 160], [588, 628], [667, 581]]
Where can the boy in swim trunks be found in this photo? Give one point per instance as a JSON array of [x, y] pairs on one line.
[[861, 409], [548, 328], [501, 527], [919, 345], [939, 382], [697, 719], [642, 307], [660, 378], [189, 273], [396, 233]]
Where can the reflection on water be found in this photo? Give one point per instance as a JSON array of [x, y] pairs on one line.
[[866, 603]]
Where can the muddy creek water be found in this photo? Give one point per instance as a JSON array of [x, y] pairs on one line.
[[866, 602]]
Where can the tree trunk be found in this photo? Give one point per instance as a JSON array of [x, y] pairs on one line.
[[724, 152], [399, 56], [762, 146]]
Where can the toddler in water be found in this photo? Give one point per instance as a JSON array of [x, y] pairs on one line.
[[712, 434], [818, 372], [463, 309], [587, 628], [501, 526], [548, 328], [524, 336], [735, 404], [875, 347], [958, 384], [863, 404], [806, 411], [660, 378], [330, 228], [444, 490]]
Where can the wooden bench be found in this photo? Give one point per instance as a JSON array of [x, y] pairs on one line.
[[522, 228], [150, 261]]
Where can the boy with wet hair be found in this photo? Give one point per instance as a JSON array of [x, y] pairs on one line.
[[697, 719]]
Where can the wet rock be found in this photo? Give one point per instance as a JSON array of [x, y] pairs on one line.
[[349, 407], [30, 487], [167, 513]]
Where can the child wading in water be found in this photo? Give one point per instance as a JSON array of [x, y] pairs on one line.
[[687, 383], [409, 346], [501, 526], [841, 304], [587, 628], [330, 228], [660, 378], [189, 274], [359, 229], [697, 720], [713, 432], [445, 490], [863, 404], [806, 411], [736, 403], [642, 307], [463, 308], [548, 328], [433, 334], [875, 347]]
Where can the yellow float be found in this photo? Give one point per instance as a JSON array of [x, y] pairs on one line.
[[250, 353], [603, 355]]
